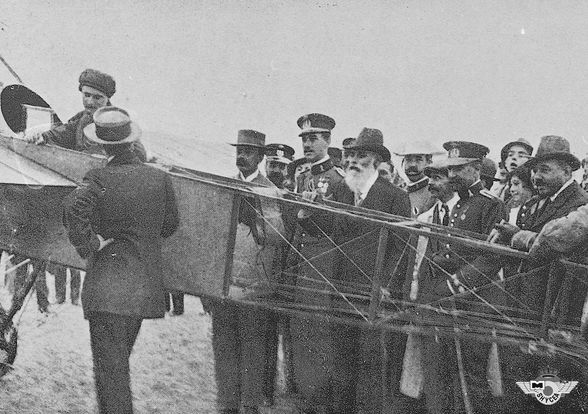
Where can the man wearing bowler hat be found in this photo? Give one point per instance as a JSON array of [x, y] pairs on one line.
[[312, 353], [358, 353], [96, 88], [245, 338], [116, 220], [416, 156], [558, 194]]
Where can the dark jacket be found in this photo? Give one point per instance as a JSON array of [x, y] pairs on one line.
[[476, 211], [135, 205], [532, 290], [359, 240]]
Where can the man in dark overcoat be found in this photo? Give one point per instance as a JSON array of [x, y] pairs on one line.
[[558, 194], [116, 220], [359, 353]]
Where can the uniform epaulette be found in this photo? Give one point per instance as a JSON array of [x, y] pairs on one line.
[[340, 171], [487, 193]]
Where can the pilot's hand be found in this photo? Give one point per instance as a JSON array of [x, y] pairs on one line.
[[309, 195], [506, 231], [35, 137]]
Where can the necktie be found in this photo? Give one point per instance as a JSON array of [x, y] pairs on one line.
[[358, 199], [445, 210], [541, 210], [436, 216]]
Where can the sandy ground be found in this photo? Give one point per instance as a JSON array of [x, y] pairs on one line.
[[171, 365]]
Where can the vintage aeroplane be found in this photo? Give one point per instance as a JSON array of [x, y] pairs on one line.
[[207, 256]]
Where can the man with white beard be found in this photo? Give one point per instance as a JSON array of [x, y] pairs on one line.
[[358, 352]]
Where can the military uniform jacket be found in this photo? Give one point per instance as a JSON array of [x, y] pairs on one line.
[[133, 204], [310, 233], [477, 211]]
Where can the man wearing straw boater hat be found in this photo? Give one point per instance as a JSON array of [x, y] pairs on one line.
[[558, 194], [459, 270], [358, 353], [415, 157], [116, 220]]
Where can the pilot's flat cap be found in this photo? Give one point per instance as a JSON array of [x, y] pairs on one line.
[[98, 80]]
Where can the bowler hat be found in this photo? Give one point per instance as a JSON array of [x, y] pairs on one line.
[[112, 126], [554, 147], [520, 142], [279, 152], [250, 138], [463, 152], [418, 147], [315, 123], [98, 80], [370, 139]]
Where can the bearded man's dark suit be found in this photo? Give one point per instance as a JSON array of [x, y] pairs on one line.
[[531, 291], [134, 205], [358, 353]]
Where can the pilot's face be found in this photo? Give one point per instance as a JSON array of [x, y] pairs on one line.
[[93, 99]]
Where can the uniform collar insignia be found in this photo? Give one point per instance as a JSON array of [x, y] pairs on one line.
[[322, 167]]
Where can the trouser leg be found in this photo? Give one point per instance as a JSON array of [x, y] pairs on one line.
[[226, 345], [76, 281], [39, 267], [345, 367], [271, 357], [253, 327], [178, 302], [112, 338], [60, 282], [311, 346]]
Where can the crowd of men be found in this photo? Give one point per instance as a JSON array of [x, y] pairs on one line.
[[342, 368], [336, 367]]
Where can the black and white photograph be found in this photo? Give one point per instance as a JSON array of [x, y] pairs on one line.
[[293, 207]]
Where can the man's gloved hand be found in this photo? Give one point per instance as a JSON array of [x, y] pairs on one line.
[[506, 232]]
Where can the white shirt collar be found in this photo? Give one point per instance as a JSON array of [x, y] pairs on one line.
[[563, 187], [325, 158], [427, 216], [249, 178], [367, 185], [451, 203]]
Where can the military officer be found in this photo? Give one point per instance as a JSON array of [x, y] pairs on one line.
[[277, 159], [312, 351], [416, 156], [459, 269]]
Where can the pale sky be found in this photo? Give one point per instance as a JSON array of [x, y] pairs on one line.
[[485, 71]]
